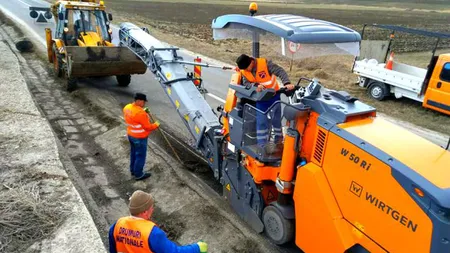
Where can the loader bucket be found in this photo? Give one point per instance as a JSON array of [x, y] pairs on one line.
[[102, 61]]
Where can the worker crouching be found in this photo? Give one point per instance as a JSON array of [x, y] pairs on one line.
[[138, 130], [138, 234]]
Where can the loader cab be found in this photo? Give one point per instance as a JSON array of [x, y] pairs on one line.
[[437, 94], [85, 27]]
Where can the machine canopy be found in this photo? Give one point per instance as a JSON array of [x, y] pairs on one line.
[[301, 37]]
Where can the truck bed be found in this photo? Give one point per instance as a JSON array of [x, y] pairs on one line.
[[405, 80]]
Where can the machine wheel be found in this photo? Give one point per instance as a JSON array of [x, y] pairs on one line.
[[123, 80], [71, 84], [378, 90], [279, 229], [57, 63]]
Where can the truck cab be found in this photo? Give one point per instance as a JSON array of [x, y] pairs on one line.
[[437, 92]]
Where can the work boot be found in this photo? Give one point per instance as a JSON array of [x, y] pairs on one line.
[[144, 176]]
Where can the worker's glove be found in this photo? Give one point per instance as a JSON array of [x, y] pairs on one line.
[[260, 88], [289, 86], [203, 246], [157, 123], [146, 109]]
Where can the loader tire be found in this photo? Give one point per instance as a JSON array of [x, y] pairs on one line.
[[123, 80], [71, 84], [57, 63], [279, 229]]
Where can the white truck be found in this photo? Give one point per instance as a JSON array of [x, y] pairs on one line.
[[430, 86], [402, 81]]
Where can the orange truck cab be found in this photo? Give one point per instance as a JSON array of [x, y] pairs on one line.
[[437, 85]]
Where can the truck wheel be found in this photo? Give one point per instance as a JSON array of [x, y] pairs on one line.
[[123, 80], [71, 84], [278, 229], [57, 63], [378, 90]]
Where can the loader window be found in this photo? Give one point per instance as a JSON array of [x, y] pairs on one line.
[[87, 21], [445, 74]]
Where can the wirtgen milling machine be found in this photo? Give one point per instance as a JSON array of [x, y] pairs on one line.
[[81, 45], [341, 180]]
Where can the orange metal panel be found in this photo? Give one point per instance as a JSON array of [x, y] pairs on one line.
[[319, 224], [368, 195], [309, 134], [288, 159], [230, 103], [419, 154], [437, 95], [259, 171]]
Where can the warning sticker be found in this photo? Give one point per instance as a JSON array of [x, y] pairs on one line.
[[228, 187]]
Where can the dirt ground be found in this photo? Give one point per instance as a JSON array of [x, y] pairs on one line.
[[192, 31]]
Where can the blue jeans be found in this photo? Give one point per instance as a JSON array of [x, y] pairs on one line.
[[138, 154], [262, 122]]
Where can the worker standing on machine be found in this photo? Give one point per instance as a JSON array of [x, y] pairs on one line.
[[138, 129], [138, 234], [263, 73]]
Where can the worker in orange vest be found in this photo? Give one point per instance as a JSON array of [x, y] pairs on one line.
[[262, 73], [138, 129], [138, 234]]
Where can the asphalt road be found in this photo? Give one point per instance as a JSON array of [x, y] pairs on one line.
[[215, 80]]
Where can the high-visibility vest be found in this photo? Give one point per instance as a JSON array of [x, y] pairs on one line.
[[131, 235], [262, 75], [134, 115]]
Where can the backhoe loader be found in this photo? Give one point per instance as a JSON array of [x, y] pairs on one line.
[[82, 47]]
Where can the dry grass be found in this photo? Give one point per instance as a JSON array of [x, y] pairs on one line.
[[26, 218]]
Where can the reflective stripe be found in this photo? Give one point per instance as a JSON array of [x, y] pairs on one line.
[[271, 83], [135, 126], [261, 137], [262, 131], [137, 131], [262, 75]]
